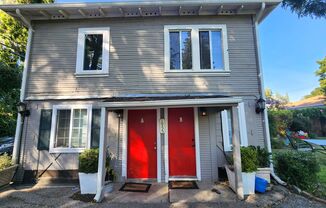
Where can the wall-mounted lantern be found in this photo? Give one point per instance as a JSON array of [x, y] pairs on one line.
[[22, 109], [203, 111], [260, 105], [119, 113]]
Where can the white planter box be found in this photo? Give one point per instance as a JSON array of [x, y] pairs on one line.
[[264, 173], [87, 182], [248, 181]]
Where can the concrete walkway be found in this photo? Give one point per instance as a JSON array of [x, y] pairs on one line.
[[158, 196]]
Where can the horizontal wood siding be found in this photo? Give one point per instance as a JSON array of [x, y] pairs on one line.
[[210, 135], [136, 59]]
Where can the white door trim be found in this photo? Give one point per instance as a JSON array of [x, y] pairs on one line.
[[198, 170], [125, 143], [166, 145], [158, 145]]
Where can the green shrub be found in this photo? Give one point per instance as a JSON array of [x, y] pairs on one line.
[[297, 168], [277, 143], [263, 159], [88, 161], [280, 121], [248, 159], [5, 161]]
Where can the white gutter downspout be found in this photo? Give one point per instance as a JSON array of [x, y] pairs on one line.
[[20, 120], [262, 89]]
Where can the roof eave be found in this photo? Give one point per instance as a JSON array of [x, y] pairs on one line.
[[139, 8]]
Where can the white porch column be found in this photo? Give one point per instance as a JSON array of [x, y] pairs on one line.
[[102, 157], [236, 152]]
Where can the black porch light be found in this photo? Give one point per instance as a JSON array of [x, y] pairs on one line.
[[22, 109], [260, 105]]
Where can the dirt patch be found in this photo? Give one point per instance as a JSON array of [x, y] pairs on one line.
[[83, 197]]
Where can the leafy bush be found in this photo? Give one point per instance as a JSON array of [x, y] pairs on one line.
[[277, 143], [5, 161], [280, 121], [296, 120], [263, 159], [88, 161], [248, 159], [297, 168]]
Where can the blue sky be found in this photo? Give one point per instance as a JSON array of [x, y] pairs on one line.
[[290, 47]]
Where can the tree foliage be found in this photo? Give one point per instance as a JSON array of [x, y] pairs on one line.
[[312, 8], [321, 72], [282, 120], [13, 39], [276, 100]]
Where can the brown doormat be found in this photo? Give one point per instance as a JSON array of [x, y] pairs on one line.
[[135, 187], [83, 197], [183, 185]]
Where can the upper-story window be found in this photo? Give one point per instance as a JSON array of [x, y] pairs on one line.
[[196, 48], [93, 51]]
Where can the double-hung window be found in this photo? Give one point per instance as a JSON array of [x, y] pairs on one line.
[[196, 48], [70, 129], [93, 51]]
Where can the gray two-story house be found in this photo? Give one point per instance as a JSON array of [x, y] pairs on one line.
[[164, 87]]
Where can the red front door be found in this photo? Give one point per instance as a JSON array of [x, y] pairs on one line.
[[142, 157], [182, 160]]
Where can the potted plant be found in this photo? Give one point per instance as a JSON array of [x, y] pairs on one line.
[[7, 170], [249, 168], [88, 167], [263, 163]]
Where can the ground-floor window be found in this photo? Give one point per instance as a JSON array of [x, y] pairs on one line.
[[70, 129]]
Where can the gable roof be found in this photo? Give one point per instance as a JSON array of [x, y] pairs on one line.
[[312, 102], [140, 8]]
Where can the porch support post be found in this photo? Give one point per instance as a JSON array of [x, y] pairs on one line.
[[102, 157], [236, 152]]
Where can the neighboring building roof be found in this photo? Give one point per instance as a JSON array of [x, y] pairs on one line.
[[143, 8], [312, 102]]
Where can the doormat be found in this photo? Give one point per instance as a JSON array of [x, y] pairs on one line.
[[135, 187], [183, 185], [83, 197]]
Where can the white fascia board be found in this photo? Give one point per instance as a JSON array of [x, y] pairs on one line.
[[179, 102], [131, 4]]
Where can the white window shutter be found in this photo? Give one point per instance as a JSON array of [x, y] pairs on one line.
[[225, 131], [243, 125]]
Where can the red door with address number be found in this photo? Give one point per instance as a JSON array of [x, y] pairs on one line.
[[142, 156], [182, 157]]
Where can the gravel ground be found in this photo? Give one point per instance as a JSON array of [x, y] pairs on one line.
[[58, 196]]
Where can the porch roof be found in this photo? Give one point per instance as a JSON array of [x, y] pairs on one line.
[[159, 100], [140, 8]]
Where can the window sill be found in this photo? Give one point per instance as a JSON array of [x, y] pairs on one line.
[[197, 73], [66, 150], [91, 74]]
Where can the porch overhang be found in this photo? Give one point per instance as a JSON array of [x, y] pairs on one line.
[[140, 8], [170, 102]]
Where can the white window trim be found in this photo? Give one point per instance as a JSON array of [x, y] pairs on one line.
[[53, 149], [195, 48], [105, 31], [242, 126]]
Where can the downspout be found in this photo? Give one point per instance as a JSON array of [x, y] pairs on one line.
[[262, 91], [20, 119]]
